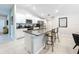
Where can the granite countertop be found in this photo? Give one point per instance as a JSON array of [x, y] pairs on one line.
[[37, 32]]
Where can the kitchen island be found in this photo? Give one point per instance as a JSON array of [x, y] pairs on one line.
[[34, 40]]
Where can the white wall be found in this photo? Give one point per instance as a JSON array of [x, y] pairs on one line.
[[71, 11], [73, 25], [49, 23], [11, 26]]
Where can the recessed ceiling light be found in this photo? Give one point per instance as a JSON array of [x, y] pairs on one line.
[[34, 8], [56, 11]]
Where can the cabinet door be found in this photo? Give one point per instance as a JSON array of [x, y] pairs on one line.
[[37, 43], [28, 43]]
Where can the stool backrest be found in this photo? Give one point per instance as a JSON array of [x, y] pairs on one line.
[[55, 30]]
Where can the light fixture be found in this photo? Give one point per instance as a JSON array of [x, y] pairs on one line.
[[56, 11], [34, 8]]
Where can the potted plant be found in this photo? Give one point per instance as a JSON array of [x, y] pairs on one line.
[[5, 30]]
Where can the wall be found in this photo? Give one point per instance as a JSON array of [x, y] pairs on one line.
[[11, 26], [49, 23], [73, 22], [71, 11]]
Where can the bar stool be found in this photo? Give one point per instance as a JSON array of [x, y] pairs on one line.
[[49, 42], [55, 33], [78, 51]]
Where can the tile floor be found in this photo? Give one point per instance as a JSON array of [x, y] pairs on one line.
[[64, 46], [17, 47], [4, 38], [13, 47]]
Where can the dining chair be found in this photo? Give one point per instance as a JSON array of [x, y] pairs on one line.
[[76, 39]]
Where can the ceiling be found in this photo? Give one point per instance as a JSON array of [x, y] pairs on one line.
[[44, 10], [5, 9]]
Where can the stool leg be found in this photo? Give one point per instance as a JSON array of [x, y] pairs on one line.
[[78, 51], [54, 37], [45, 46], [52, 43], [58, 37]]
